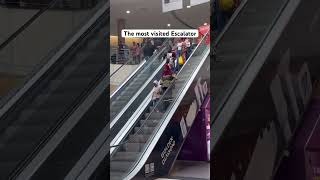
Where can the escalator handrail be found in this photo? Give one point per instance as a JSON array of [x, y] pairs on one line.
[[27, 24], [21, 168], [175, 101], [163, 95]]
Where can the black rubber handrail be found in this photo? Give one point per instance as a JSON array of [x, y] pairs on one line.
[[27, 24]]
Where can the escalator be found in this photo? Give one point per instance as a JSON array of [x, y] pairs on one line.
[[241, 51], [56, 97], [131, 93], [146, 136]]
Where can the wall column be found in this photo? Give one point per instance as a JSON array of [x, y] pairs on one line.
[[121, 25]]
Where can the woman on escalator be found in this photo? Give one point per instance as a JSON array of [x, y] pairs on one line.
[[167, 77]]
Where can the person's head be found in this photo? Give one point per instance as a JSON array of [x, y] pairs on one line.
[[174, 55], [167, 60], [138, 44], [133, 43], [155, 83]]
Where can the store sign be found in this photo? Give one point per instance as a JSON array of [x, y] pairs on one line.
[[171, 5]]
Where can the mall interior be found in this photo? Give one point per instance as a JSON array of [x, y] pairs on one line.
[[79, 101]]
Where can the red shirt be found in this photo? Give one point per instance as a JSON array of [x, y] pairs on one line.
[[166, 70]]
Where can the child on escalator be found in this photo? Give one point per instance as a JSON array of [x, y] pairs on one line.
[[156, 93]]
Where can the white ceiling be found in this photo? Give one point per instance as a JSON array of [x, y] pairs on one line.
[[147, 14]]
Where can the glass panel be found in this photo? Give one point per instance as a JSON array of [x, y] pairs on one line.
[[34, 47], [239, 44], [161, 110]]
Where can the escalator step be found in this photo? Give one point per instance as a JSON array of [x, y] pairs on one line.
[[144, 130], [133, 147], [149, 123], [114, 175], [121, 166], [125, 156], [138, 138], [154, 115]]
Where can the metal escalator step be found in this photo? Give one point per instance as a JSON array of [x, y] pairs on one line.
[[124, 96], [138, 138], [117, 107], [144, 130], [125, 156], [155, 115], [115, 175], [120, 101], [120, 165], [149, 123], [126, 93], [133, 147]]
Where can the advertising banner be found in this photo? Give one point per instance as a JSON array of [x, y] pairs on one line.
[[171, 5]]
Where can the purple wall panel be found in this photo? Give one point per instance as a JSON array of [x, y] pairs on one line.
[[195, 145]]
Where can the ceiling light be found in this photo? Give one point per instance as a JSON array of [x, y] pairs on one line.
[[168, 25], [189, 6], [128, 12]]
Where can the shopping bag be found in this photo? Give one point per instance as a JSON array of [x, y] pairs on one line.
[[180, 60]]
